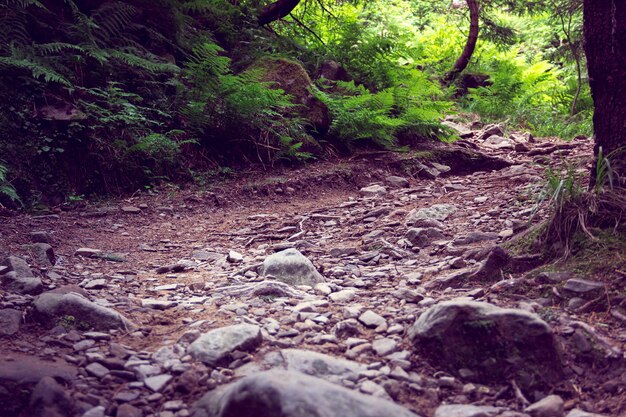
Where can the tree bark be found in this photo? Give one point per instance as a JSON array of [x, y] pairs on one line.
[[470, 45], [276, 11], [605, 46]]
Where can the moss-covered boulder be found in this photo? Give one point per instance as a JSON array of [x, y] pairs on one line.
[[291, 77], [484, 343]]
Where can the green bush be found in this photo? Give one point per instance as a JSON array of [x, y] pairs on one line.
[[412, 108]]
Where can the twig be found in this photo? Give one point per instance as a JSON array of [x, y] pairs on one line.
[[308, 29], [518, 394]]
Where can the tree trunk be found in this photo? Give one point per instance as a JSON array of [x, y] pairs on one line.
[[605, 47], [470, 45], [276, 11]]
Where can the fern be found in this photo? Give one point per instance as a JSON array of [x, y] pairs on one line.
[[37, 69], [112, 20], [131, 58], [6, 189], [414, 107]]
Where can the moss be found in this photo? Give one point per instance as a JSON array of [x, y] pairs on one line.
[[292, 78], [525, 243]]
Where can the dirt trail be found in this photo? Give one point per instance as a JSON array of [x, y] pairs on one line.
[[166, 260]]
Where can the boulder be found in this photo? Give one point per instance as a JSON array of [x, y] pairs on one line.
[[316, 364], [489, 343], [215, 347], [17, 265], [17, 377], [291, 267], [291, 394], [42, 253], [21, 285], [49, 399], [51, 306], [436, 212], [291, 77]]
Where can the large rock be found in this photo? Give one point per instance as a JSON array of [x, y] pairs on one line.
[[291, 394], [291, 267], [315, 364], [215, 347], [291, 77], [52, 306], [49, 399], [18, 265], [488, 342], [22, 285], [42, 253], [17, 377], [436, 212], [422, 237], [18, 277]]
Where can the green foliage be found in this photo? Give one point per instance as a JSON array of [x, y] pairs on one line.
[[222, 106], [6, 189], [412, 108], [532, 95], [113, 96], [562, 187]]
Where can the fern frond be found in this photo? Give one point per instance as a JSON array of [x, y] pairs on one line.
[[56, 47], [132, 59], [112, 20], [37, 70]]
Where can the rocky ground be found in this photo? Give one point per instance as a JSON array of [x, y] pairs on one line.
[[382, 285]]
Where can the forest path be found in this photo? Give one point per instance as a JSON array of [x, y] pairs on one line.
[[181, 263]]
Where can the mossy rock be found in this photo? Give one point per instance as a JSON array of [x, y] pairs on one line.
[[291, 77], [485, 343]]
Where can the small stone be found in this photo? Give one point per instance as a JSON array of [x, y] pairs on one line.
[[397, 182], [408, 294], [131, 209], [128, 410], [87, 252], [551, 406], [216, 346], [384, 346], [158, 304], [40, 237], [95, 284], [158, 382], [234, 257], [466, 410], [371, 319], [342, 296], [506, 233], [373, 191], [322, 288], [96, 370], [98, 411]]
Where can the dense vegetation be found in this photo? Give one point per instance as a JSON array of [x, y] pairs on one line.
[[108, 96]]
